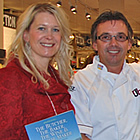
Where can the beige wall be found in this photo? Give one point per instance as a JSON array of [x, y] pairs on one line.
[[8, 35]]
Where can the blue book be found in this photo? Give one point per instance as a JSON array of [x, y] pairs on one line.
[[59, 127]]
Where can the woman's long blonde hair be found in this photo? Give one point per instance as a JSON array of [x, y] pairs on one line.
[[62, 57]]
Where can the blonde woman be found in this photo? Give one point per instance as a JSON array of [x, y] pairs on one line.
[[31, 89]]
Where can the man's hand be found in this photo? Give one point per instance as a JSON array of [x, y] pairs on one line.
[[84, 137]]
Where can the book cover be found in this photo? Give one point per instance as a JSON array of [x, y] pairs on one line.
[[60, 127]]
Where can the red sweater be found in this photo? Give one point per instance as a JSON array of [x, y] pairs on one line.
[[22, 102]]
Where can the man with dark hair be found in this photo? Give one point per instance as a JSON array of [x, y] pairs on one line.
[[106, 94]]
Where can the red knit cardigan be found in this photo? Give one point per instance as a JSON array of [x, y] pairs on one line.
[[23, 102]]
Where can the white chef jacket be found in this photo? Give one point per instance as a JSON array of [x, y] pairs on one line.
[[107, 105]]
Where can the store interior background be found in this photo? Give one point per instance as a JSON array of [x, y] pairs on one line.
[[79, 24]]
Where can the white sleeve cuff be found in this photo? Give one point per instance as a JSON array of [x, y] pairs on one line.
[[85, 129]]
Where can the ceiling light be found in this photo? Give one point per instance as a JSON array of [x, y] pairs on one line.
[[138, 42], [88, 16], [71, 37], [73, 10], [59, 4]]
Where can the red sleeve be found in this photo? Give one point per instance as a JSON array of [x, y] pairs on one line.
[[11, 105]]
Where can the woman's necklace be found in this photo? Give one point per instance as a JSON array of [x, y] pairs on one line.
[[51, 103], [48, 94], [53, 74]]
